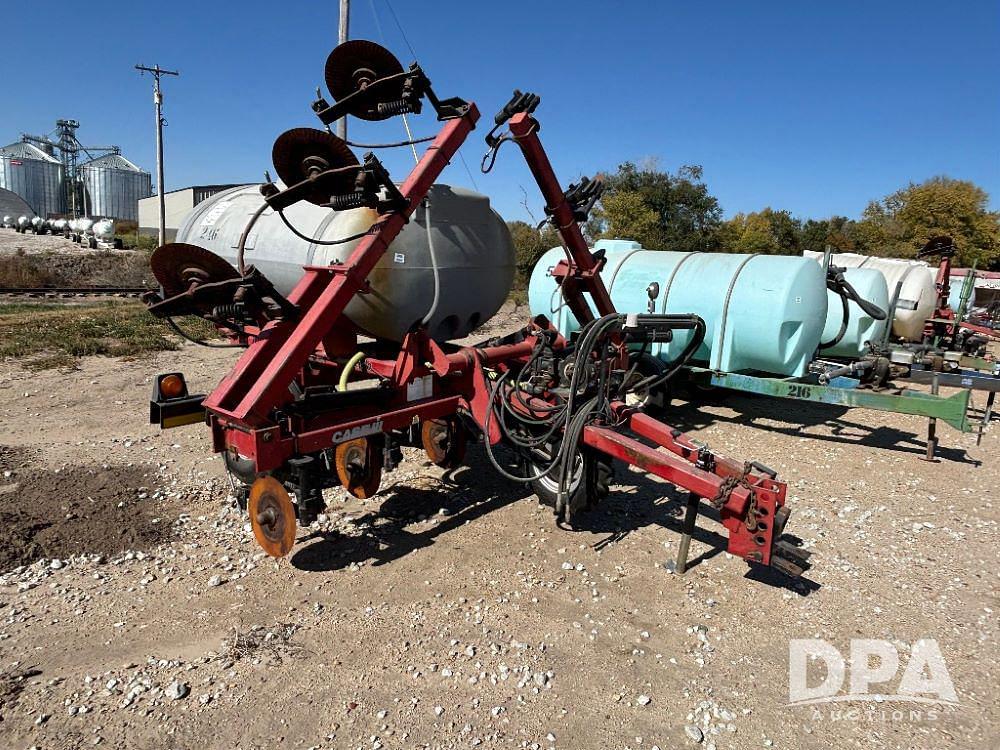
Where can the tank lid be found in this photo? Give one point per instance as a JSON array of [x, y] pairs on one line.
[[617, 245]]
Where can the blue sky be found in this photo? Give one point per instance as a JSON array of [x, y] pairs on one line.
[[812, 107]]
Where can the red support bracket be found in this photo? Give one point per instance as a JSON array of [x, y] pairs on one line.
[[583, 271]]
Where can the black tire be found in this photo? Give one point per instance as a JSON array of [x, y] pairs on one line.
[[654, 402], [589, 488]]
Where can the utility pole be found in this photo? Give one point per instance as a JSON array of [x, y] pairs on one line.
[[157, 71], [345, 19]]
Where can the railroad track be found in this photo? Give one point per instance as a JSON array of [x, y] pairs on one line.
[[72, 291]]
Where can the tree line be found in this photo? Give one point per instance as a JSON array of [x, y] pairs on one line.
[[675, 211]]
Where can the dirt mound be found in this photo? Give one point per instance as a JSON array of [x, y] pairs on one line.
[[15, 459], [77, 510]]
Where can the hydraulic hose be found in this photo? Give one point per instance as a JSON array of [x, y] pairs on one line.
[[694, 322], [241, 248], [348, 368], [437, 274], [843, 325], [873, 311]]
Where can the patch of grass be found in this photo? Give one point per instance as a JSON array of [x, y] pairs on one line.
[[267, 644], [138, 241], [54, 335]]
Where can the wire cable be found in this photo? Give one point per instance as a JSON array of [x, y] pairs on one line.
[[317, 241], [400, 27], [200, 342], [411, 142]]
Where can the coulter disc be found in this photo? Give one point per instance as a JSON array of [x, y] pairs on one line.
[[359, 466], [178, 265], [353, 66], [272, 516], [444, 441], [299, 152]]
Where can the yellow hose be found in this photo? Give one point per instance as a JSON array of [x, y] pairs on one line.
[[348, 369]]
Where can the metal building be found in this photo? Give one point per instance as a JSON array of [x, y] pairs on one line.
[[113, 187], [34, 175]]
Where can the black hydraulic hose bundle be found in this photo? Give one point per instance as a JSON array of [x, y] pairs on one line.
[[836, 283], [690, 322], [537, 429]]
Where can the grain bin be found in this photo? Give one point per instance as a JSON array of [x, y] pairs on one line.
[[471, 243], [34, 175], [918, 294], [762, 313], [113, 187]]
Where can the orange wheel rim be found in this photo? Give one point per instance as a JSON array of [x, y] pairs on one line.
[[359, 467], [272, 516]]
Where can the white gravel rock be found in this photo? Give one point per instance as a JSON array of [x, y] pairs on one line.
[[694, 733], [177, 690]]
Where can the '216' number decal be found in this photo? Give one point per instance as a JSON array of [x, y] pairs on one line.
[[799, 391]]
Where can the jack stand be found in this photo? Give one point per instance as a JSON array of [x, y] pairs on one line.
[[932, 440], [987, 415], [687, 530]]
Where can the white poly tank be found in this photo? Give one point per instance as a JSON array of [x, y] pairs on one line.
[[83, 226], [104, 230], [471, 243], [762, 313], [917, 295]]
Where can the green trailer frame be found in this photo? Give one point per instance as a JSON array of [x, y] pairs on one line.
[[951, 409]]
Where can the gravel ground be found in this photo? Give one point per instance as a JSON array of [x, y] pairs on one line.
[[14, 243], [450, 610]]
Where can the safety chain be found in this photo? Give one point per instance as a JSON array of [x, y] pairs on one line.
[[730, 483]]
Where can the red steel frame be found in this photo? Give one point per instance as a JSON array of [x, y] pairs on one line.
[[582, 272], [242, 408]]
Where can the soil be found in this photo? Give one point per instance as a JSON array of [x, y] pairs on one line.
[[450, 611], [73, 511]]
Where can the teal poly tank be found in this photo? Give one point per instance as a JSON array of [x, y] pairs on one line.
[[861, 327], [763, 313]]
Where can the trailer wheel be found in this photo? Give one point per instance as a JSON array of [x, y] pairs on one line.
[[590, 484]]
